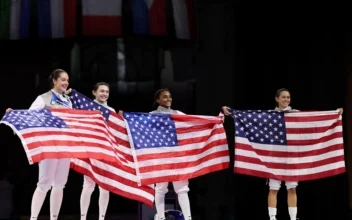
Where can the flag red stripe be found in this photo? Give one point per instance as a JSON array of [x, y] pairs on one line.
[[194, 128], [108, 26], [187, 164], [311, 118], [70, 20], [69, 134], [315, 141], [287, 154], [287, 166], [152, 156], [290, 178], [157, 18], [200, 139], [313, 130], [57, 155], [171, 178], [111, 188]]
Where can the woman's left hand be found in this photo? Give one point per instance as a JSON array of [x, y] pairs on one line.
[[340, 110]]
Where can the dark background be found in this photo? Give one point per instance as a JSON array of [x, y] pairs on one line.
[[240, 58]]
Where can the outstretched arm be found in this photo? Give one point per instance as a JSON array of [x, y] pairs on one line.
[[225, 109]]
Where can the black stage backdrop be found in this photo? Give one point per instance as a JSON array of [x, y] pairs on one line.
[[241, 57]]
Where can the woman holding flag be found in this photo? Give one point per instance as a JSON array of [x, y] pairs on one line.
[[163, 100], [100, 92], [283, 100], [53, 173]]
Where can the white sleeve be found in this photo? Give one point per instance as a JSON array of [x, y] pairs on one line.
[[38, 104], [180, 113]]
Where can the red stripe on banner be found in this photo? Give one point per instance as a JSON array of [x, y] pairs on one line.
[[315, 141], [117, 128], [312, 130], [157, 18], [180, 177], [286, 154], [111, 188], [194, 152], [191, 19], [74, 112], [109, 26], [58, 155], [288, 166], [319, 175], [181, 165], [310, 118], [194, 128], [193, 119], [70, 134], [70, 18], [200, 139]]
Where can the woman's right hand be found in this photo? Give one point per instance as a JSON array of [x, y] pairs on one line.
[[8, 110], [225, 109], [120, 113]]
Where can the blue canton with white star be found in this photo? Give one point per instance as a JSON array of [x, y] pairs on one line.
[[81, 102], [23, 119], [264, 127], [151, 130]]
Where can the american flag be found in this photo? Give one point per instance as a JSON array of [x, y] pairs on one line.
[[62, 133], [288, 146], [171, 147], [119, 178]]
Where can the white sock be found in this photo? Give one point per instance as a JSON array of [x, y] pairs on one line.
[[103, 202], [293, 212], [272, 212], [185, 206], [55, 202], [160, 205], [37, 202], [85, 201]]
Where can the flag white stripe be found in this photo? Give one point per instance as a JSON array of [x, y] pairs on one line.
[[291, 148], [183, 159], [314, 136], [309, 124], [182, 171], [193, 146], [289, 160], [111, 182], [83, 149]]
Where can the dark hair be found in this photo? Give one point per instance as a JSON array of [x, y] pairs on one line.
[[96, 86], [278, 92], [55, 75], [157, 95]]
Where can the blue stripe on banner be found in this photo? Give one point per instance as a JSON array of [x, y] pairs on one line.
[[140, 16], [25, 18], [44, 18]]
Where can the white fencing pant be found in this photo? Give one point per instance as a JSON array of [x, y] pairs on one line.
[[88, 188], [181, 188], [276, 184], [52, 173]]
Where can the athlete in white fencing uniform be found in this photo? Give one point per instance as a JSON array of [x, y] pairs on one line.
[[101, 92], [283, 99], [53, 173], [164, 100]]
